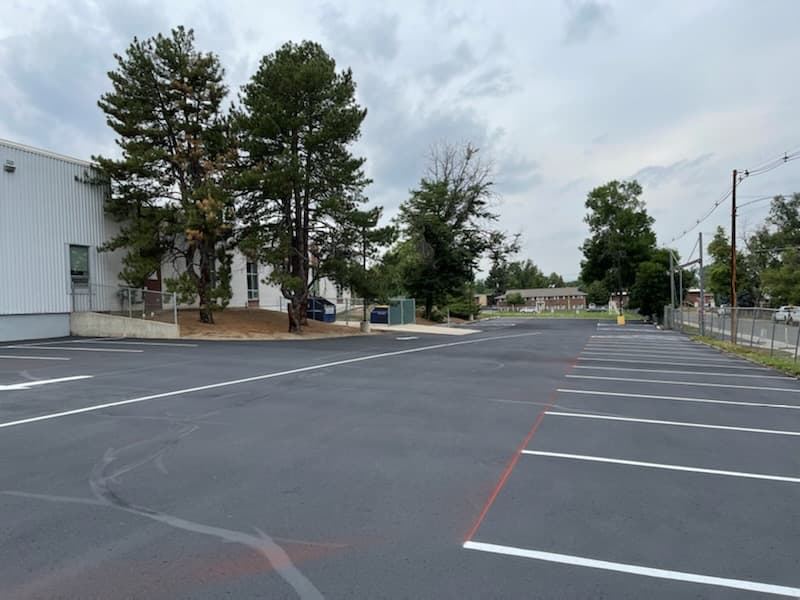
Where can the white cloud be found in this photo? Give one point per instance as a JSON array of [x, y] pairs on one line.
[[679, 93]]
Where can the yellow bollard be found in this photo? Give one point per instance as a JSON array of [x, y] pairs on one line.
[[620, 319]]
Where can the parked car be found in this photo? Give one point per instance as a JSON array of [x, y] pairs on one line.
[[528, 309], [787, 314]]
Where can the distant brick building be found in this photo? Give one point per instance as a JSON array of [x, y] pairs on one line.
[[563, 298], [692, 298]]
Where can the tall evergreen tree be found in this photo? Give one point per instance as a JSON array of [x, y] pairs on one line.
[[302, 186], [168, 190]]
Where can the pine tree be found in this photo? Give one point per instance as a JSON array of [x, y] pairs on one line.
[[301, 185], [169, 189]]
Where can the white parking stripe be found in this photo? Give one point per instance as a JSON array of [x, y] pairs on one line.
[[35, 382], [72, 348], [672, 372], [659, 346], [653, 348], [692, 383], [22, 357], [221, 384], [673, 423], [580, 561], [649, 465], [63, 341], [654, 354], [606, 341], [678, 399], [674, 364]]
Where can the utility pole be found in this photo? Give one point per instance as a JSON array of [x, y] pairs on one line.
[[733, 260], [671, 281], [702, 289]]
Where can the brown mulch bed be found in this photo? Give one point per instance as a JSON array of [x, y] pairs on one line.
[[254, 324]]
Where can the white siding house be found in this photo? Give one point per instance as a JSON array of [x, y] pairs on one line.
[[51, 224]]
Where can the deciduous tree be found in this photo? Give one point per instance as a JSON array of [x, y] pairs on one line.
[[621, 235], [446, 223]]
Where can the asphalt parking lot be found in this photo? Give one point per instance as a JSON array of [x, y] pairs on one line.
[[536, 459]]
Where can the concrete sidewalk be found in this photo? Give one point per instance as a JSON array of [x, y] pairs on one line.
[[412, 328]]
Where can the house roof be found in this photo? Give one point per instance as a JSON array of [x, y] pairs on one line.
[[545, 292]]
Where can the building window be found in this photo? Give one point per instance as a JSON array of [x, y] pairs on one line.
[[252, 281], [79, 264]]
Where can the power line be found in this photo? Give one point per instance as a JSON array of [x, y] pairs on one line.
[[764, 198], [743, 174]]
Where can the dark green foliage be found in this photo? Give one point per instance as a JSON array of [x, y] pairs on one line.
[[597, 293], [773, 252], [444, 223], [354, 261], [651, 289], [515, 299], [783, 279], [169, 190], [301, 185], [463, 306], [621, 235], [718, 273], [525, 275], [501, 248]]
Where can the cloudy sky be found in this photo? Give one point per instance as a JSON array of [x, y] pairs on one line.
[[563, 95]]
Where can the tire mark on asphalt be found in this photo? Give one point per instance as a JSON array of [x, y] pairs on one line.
[[100, 484]]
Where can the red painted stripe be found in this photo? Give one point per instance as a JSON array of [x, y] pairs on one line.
[[513, 462], [508, 470]]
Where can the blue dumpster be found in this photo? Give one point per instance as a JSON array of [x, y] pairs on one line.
[[379, 314], [320, 309]]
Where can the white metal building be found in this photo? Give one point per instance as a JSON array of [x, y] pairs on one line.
[[51, 224]]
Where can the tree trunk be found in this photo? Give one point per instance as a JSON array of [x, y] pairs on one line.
[[294, 323], [203, 286], [428, 306]]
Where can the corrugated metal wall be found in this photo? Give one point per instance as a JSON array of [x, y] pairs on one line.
[[44, 209]]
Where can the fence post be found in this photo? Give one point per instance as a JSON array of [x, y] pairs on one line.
[[130, 304], [175, 307], [796, 344], [753, 327], [772, 338]]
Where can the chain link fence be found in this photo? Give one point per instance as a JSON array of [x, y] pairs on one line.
[[396, 311], [765, 328], [134, 303]]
